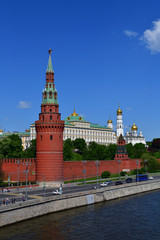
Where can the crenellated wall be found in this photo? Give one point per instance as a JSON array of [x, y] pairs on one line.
[[75, 170], [10, 168], [72, 170]]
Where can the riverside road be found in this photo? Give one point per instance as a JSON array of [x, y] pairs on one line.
[[40, 192]]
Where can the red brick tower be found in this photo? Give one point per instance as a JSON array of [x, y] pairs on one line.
[[49, 128], [121, 152]]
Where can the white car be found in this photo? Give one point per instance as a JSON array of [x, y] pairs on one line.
[[56, 192], [6, 190], [150, 178], [104, 184]]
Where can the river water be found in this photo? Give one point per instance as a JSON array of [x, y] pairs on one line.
[[131, 218]]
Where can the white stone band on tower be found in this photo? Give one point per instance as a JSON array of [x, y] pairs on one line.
[[119, 123]]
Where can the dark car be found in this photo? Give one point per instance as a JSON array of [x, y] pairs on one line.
[[129, 180], [118, 183]]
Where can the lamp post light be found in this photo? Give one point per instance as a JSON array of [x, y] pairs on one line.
[[97, 165], [18, 162], [146, 161], [44, 187], [9, 179], [26, 163], [119, 161], [137, 170], [84, 170]]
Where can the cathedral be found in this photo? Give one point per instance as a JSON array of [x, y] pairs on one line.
[[131, 136]]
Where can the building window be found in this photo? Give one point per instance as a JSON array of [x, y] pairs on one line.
[[51, 137], [41, 137], [50, 117], [50, 110]]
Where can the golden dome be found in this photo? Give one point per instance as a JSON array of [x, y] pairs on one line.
[[1, 130], [109, 121], [119, 111], [134, 127], [74, 113]]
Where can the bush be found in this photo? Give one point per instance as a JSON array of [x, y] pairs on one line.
[[123, 173], [105, 174]]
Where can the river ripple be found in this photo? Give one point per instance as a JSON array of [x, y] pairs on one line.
[[131, 218]]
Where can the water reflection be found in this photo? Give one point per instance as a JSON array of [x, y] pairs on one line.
[[134, 218]]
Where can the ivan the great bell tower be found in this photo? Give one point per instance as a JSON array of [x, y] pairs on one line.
[[49, 128]]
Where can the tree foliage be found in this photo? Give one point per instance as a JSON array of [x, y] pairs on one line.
[[11, 147], [105, 174], [30, 152], [152, 163]]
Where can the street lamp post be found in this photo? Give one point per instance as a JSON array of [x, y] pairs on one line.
[[26, 163], [137, 170], [145, 160], [84, 170], [18, 162], [44, 185], [97, 165], [119, 161], [9, 179]]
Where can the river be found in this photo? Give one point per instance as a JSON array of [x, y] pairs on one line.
[[132, 218]]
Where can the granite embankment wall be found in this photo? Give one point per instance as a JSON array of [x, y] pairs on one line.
[[30, 209]]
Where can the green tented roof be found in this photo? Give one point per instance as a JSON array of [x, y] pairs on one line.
[[49, 67]]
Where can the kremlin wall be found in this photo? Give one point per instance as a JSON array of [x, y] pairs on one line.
[[49, 164], [71, 170]]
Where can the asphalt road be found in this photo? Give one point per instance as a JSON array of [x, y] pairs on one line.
[[40, 193]]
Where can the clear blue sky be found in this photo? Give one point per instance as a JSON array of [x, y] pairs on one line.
[[105, 53]]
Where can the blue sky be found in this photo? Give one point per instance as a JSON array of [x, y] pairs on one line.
[[105, 53]]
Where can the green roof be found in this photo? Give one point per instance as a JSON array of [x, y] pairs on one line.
[[75, 118], [49, 67], [97, 126]]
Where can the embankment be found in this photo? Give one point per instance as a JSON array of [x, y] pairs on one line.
[[34, 208]]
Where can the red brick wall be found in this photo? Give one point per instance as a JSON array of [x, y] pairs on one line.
[[9, 167], [74, 170], [71, 170]]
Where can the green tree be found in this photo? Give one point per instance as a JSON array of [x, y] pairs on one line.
[[68, 150], [111, 150], [15, 146], [30, 152], [80, 144], [130, 150], [156, 144], [152, 163], [105, 174], [139, 149]]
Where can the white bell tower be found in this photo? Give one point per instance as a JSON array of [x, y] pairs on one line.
[[119, 122]]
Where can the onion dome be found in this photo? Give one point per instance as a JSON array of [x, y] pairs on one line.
[[109, 121], [134, 127], [119, 111], [74, 113]]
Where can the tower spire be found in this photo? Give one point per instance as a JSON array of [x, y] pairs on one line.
[[49, 67]]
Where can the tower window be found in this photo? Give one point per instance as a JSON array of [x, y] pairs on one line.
[[44, 110], [50, 117], [50, 110], [50, 94], [41, 137], [51, 137]]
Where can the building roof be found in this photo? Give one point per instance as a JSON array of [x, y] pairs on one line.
[[49, 67]]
